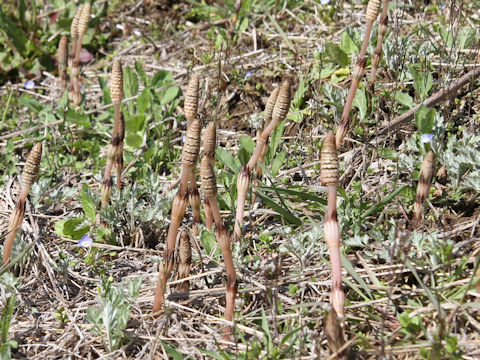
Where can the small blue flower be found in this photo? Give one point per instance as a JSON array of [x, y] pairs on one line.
[[29, 85], [426, 138], [324, 2], [85, 242], [184, 138], [248, 75]]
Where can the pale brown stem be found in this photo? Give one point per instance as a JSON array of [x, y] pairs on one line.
[[243, 181], [184, 262], [194, 199], [357, 75], [423, 188]]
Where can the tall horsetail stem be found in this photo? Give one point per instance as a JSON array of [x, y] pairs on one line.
[[29, 174], [331, 228], [279, 112], [382, 30], [209, 187], [190, 151], [358, 71]]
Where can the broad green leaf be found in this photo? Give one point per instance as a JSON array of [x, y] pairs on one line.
[[130, 82], [169, 95], [278, 162], [106, 91], [425, 119], [336, 54], [422, 82], [360, 102], [466, 36], [71, 228], [141, 73], [275, 138], [160, 78], [143, 101], [347, 44], [134, 140], [228, 160], [247, 143], [208, 242], [88, 202], [15, 35], [135, 123], [404, 99]]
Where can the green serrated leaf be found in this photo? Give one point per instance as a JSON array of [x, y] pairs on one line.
[[169, 95], [425, 119]]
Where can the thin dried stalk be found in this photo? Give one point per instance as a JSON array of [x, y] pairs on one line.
[[62, 57], [29, 174], [179, 207], [382, 30], [115, 148], [272, 99], [209, 187], [280, 111], [331, 228], [372, 12], [184, 262], [423, 188]]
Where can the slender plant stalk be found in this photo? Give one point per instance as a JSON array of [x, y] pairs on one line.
[[267, 118], [423, 188], [371, 14], [377, 54], [209, 145], [280, 110], [115, 148], [184, 262], [179, 207], [74, 70], [29, 174], [209, 187], [238, 5], [331, 228], [62, 57]]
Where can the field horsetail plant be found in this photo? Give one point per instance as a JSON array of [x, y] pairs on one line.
[[29, 174], [423, 188], [382, 30], [62, 55], [358, 71], [74, 70], [209, 187], [190, 151], [279, 112], [209, 145], [331, 228], [115, 148]]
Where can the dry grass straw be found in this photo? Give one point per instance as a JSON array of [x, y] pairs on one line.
[[29, 174], [279, 112], [358, 71], [115, 148]]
